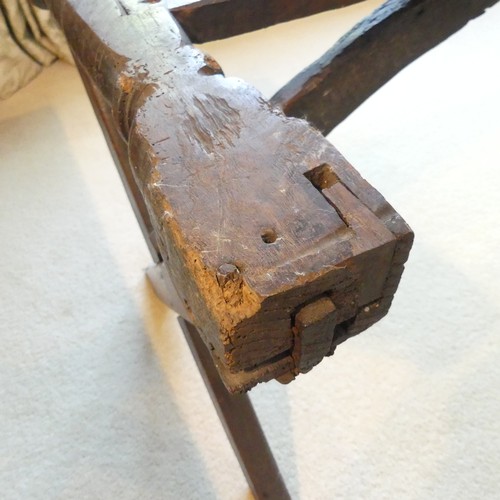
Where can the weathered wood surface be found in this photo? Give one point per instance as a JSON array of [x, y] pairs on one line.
[[256, 215], [208, 20], [370, 54], [119, 150]]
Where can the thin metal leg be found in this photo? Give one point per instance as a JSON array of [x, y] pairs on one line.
[[241, 425]]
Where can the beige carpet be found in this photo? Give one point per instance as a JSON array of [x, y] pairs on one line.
[[99, 397]]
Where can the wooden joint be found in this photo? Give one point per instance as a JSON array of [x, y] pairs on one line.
[[272, 243]]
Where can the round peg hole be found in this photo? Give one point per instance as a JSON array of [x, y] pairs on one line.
[[268, 236]]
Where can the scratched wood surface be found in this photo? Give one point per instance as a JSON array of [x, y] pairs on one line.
[[370, 54], [276, 247]]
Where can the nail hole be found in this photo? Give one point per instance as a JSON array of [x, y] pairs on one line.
[[269, 236]]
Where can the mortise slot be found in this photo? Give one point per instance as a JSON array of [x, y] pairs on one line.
[[322, 177]]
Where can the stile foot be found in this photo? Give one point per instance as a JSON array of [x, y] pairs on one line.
[[241, 425]]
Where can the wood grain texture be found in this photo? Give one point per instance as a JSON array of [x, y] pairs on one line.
[[119, 150], [256, 215], [208, 20], [313, 330], [370, 54]]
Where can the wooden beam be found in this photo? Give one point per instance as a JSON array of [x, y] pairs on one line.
[[241, 425], [119, 152], [256, 215], [208, 20], [369, 55]]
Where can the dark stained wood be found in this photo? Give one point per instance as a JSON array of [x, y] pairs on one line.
[[119, 151], [241, 425], [256, 215], [208, 20], [313, 329], [369, 55]]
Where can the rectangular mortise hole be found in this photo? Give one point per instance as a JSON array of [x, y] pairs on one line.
[[323, 177]]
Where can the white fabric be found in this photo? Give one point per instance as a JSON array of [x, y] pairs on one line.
[[29, 40], [99, 397]]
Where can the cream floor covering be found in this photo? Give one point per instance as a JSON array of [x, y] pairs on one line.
[[99, 397]]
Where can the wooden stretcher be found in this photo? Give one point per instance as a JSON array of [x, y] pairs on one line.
[[266, 241]]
